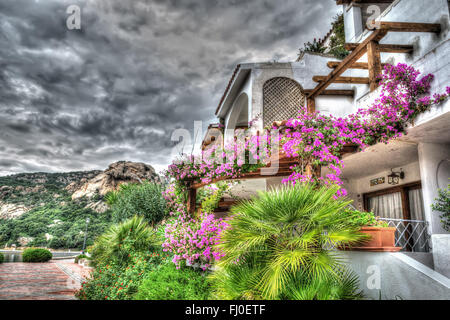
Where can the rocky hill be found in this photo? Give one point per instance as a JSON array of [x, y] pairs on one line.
[[109, 180], [51, 208]]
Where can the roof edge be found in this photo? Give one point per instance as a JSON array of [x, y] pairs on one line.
[[233, 76]]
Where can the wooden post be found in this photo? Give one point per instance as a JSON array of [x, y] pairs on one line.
[[318, 171], [374, 63], [407, 216], [313, 171], [311, 105], [191, 201], [308, 170]]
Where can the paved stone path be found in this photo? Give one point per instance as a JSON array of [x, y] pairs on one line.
[[55, 280]]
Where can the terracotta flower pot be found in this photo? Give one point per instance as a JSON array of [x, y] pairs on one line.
[[376, 239], [388, 237], [381, 239]]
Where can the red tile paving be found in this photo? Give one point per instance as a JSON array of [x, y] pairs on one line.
[[40, 281]]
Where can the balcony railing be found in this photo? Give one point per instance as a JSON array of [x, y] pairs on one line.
[[411, 235]]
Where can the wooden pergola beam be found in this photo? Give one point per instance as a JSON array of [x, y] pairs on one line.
[[375, 36], [251, 175], [410, 27], [283, 170], [353, 57], [356, 65], [348, 93], [391, 48], [356, 80]]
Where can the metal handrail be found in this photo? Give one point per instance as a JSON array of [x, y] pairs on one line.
[[391, 219], [411, 235]]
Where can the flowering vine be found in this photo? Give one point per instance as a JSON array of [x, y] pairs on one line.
[[191, 239], [246, 154], [316, 140]]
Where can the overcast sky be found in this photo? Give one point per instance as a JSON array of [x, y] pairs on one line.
[[138, 69]]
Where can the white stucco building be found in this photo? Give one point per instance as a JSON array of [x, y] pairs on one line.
[[271, 92]]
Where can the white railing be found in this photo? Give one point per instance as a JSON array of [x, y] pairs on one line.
[[411, 235]]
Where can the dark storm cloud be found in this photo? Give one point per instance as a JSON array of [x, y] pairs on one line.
[[137, 70]]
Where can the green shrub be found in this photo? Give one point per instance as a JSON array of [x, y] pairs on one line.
[[144, 199], [36, 255], [442, 204], [282, 239], [2, 257], [81, 256], [362, 218], [337, 40], [112, 281], [336, 44], [120, 240], [211, 200], [170, 283]]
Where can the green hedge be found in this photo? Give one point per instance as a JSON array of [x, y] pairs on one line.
[[36, 255], [170, 283], [2, 257]]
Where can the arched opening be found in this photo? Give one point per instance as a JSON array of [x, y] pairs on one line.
[[283, 98], [239, 117]]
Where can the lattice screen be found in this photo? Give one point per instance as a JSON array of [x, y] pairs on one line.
[[283, 98]]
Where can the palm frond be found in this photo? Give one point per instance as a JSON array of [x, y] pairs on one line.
[[283, 235]]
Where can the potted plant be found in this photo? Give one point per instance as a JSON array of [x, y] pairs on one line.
[[381, 237]]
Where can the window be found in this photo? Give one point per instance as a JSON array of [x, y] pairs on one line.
[[387, 205], [401, 202], [398, 204]]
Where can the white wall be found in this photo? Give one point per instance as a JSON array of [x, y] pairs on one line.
[[232, 116], [430, 50], [302, 72], [434, 172], [353, 22], [235, 116], [358, 186]]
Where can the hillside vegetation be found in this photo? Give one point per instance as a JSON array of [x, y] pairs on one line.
[[48, 216]]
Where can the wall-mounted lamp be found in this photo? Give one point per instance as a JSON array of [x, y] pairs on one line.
[[394, 177]]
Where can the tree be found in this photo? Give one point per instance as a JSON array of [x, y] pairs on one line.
[[144, 199], [278, 245], [121, 240]]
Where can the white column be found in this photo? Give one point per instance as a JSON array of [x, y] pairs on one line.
[[434, 174], [352, 22]]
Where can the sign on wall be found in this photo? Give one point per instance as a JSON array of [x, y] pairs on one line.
[[377, 181]]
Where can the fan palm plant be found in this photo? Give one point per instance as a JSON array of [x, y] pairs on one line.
[[116, 244], [343, 287], [282, 240]]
